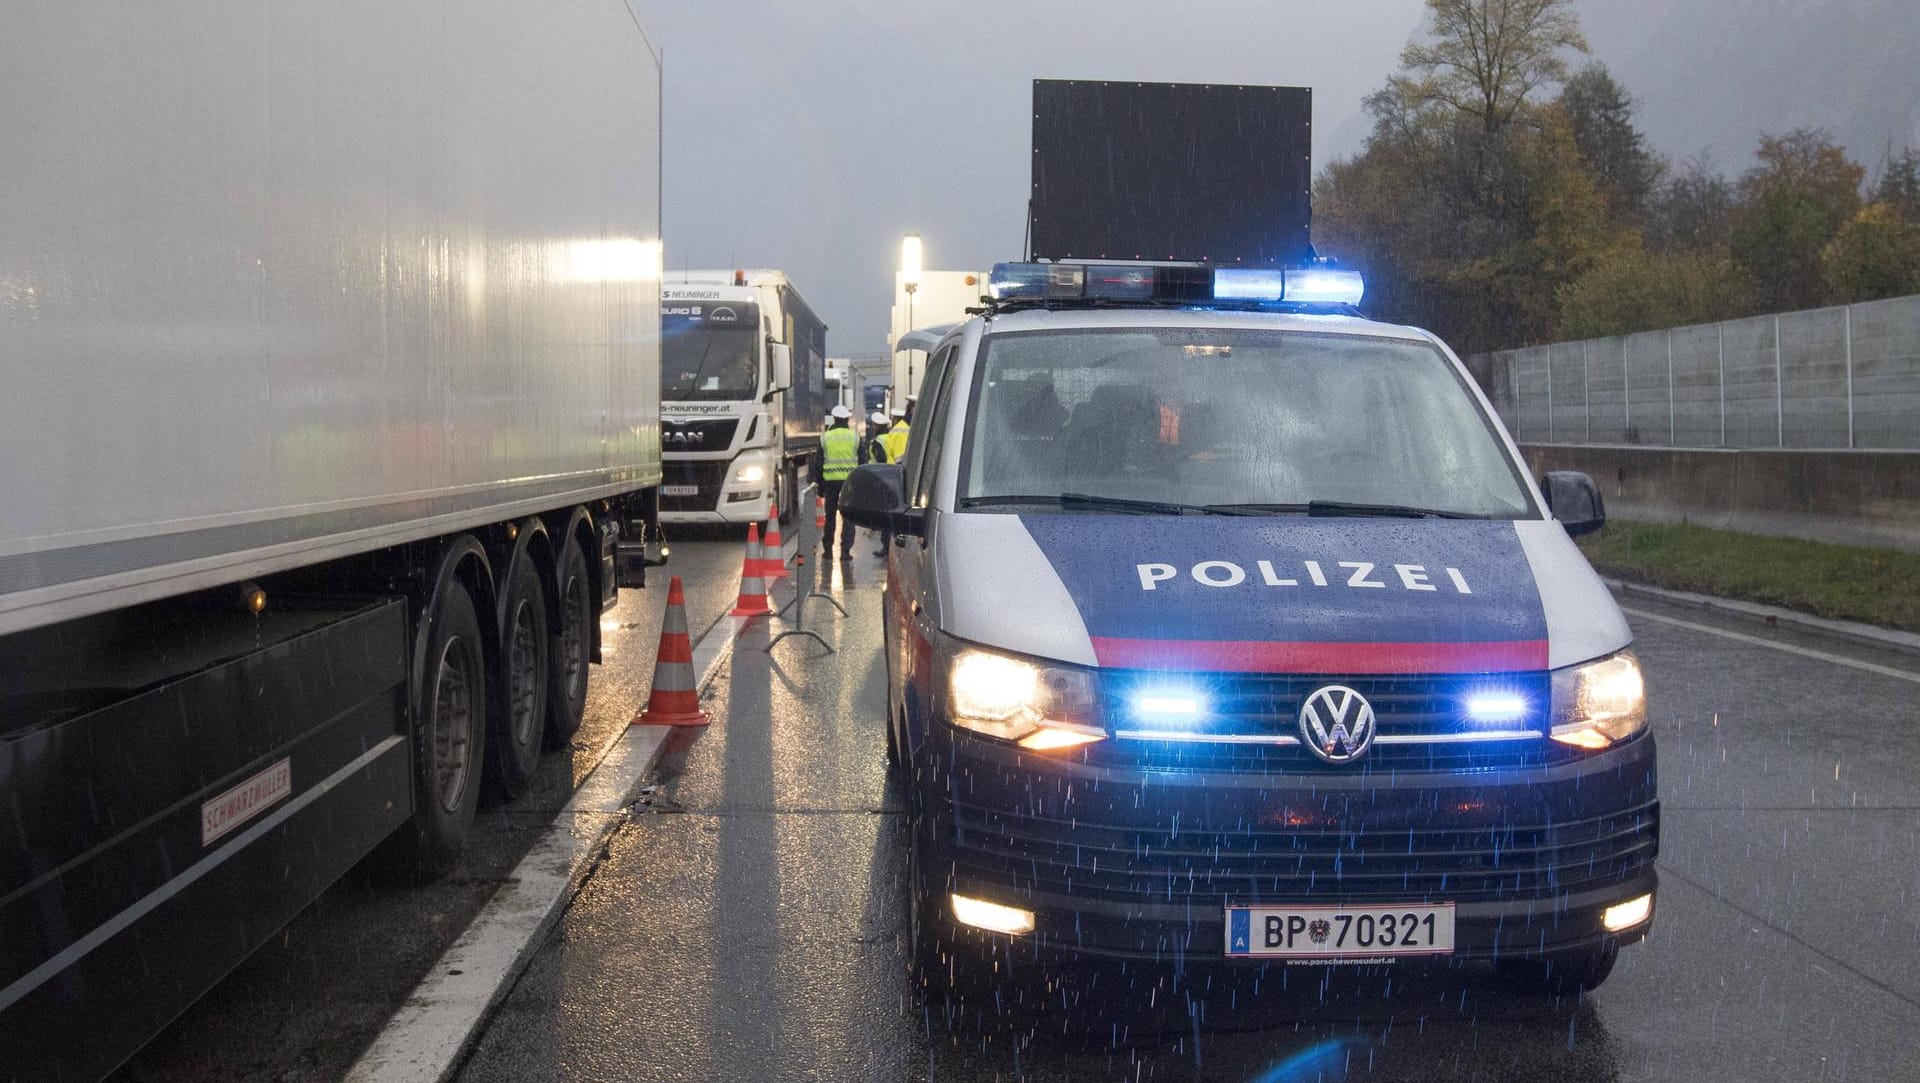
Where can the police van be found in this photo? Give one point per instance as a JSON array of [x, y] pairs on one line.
[[1224, 623]]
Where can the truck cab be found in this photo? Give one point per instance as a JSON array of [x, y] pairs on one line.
[[743, 391]]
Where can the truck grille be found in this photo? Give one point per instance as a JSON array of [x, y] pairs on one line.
[[1257, 863], [706, 476], [707, 434], [1420, 725]]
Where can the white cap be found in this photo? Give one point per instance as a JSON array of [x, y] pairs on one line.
[[897, 412], [878, 418], [913, 398], [842, 412]]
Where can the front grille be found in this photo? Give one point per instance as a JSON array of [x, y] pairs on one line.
[[1420, 725], [709, 434], [1272, 861], [706, 476]]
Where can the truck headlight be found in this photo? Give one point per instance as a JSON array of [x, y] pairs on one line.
[[1599, 703], [750, 473], [1041, 707]]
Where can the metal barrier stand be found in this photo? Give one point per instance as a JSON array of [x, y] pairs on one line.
[[809, 542]]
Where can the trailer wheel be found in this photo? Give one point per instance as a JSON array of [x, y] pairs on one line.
[[451, 721], [519, 729], [572, 648]]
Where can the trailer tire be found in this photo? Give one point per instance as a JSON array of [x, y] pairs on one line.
[[572, 646], [519, 729], [450, 721]]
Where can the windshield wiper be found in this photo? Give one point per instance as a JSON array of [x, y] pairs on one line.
[[1391, 511], [1116, 503]]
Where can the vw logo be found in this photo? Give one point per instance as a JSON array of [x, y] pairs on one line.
[[1337, 723]]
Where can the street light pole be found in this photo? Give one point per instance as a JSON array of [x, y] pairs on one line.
[[911, 287], [910, 279]]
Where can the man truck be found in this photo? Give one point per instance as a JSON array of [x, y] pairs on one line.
[[331, 338], [744, 395]]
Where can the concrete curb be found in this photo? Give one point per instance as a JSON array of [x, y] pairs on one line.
[[428, 1037], [1866, 634]]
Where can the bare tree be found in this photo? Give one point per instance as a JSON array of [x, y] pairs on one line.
[[1484, 57]]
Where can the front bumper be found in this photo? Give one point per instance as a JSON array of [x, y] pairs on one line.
[[750, 508], [1142, 865]]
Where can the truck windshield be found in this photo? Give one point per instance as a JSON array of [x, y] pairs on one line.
[[704, 362], [1238, 420]]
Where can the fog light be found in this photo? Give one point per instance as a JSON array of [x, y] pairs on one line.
[[992, 917], [1627, 914]]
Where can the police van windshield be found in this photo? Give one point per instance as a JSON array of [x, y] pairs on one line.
[[1231, 418], [706, 362]]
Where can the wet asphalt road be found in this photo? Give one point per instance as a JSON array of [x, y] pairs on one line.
[[752, 925], [306, 1005]]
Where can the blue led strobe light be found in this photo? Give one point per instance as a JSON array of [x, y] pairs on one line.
[[1496, 707]]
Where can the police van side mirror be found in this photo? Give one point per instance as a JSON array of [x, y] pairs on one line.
[[874, 497], [1575, 500]]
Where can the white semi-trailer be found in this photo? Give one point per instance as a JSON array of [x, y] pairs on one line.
[[745, 394], [330, 337]]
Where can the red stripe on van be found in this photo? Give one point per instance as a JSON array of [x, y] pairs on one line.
[[1502, 656]]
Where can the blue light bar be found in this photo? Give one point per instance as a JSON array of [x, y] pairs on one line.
[[1120, 283], [1496, 707], [1325, 286], [1249, 284], [1175, 283], [1011, 280]]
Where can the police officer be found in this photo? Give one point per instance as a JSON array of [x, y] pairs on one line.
[[894, 443], [894, 440], [870, 449], [839, 454]]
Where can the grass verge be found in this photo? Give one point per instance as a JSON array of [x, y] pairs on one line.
[[1877, 586]]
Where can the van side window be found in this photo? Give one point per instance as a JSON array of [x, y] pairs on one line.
[[936, 422], [925, 427]]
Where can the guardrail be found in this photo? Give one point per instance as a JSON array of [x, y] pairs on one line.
[[1845, 377], [1866, 498]]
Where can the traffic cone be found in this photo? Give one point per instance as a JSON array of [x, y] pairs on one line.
[[773, 559], [820, 513], [753, 591], [674, 701]]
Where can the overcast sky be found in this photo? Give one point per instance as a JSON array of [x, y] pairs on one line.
[[809, 136]]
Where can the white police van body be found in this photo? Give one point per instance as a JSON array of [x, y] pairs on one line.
[[1231, 626]]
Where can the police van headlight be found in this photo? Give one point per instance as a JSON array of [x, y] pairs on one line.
[[1039, 706], [1599, 703]]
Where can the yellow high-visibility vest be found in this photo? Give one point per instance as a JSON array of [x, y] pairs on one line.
[[895, 441], [839, 453]]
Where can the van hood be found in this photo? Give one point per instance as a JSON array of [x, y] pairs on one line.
[[1274, 594]]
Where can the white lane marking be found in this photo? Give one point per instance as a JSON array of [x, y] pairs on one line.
[[1758, 641], [443, 1015]]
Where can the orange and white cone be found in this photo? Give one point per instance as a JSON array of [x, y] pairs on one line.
[[820, 513], [674, 701], [773, 558], [753, 590]]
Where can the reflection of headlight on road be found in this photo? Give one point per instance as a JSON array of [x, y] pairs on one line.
[[750, 473]]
